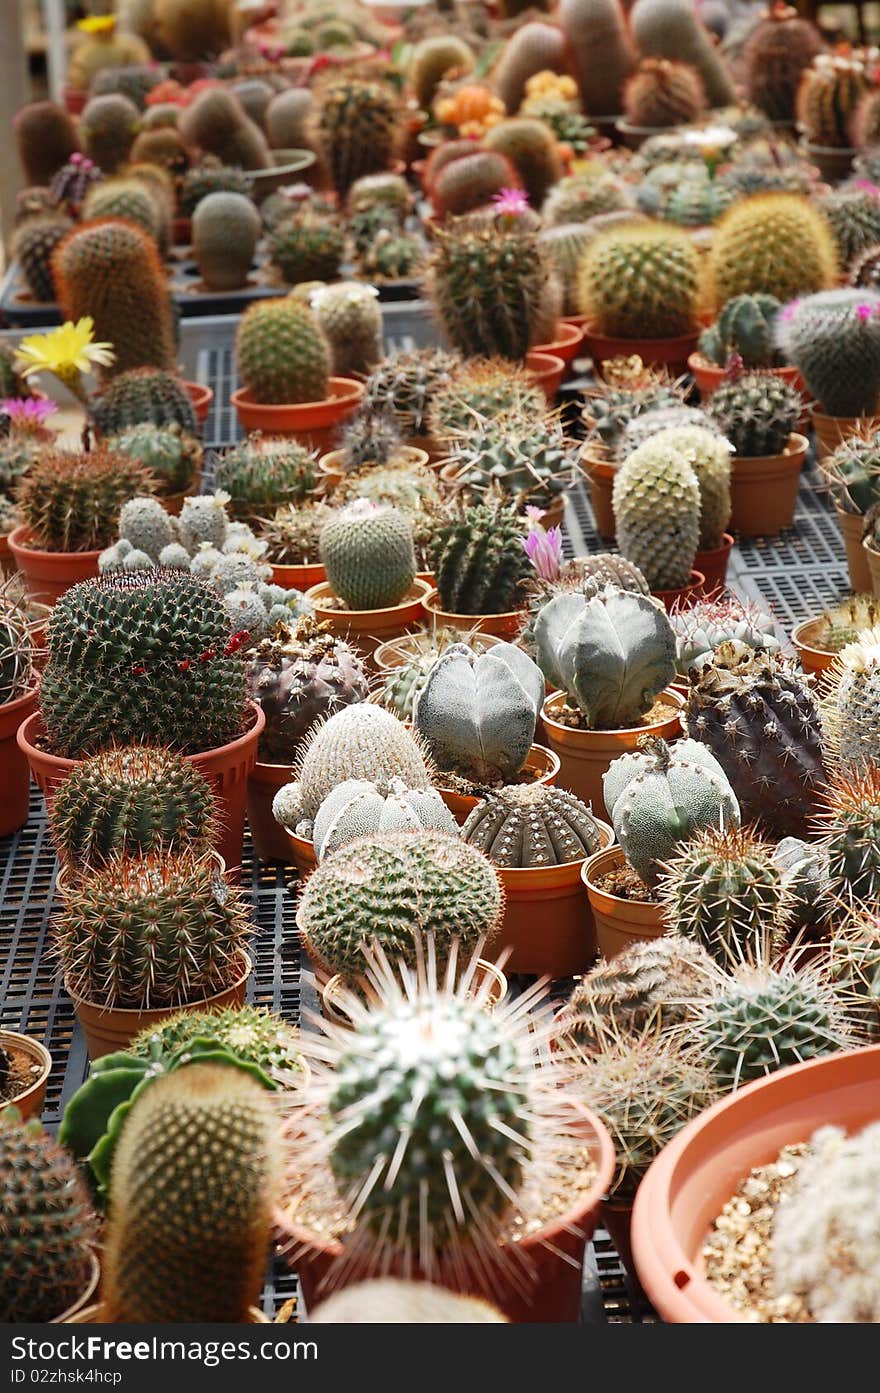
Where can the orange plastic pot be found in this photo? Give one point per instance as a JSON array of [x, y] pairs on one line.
[[49, 574], [692, 1179], [584, 755], [226, 768], [567, 339], [505, 626], [316, 424], [873, 559], [548, 922], [538, 1282], [852, 525], [713, 565], [108, 1029], [709, 376], [332, 468], [541, 764], [30, 1101], [763, 491], [832, 430], [546, 371], [619, 922], [301, 851], [601, 473], [269, 837], [671, 353], [684, 595], [365, 629], [201, 398], [397, 652], [15, 779], [299, 577], [811, 656]]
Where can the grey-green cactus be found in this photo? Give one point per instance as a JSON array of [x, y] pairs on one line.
[[368, 553], [532, 825], [359, 808]]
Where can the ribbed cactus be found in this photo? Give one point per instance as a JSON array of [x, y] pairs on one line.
[[132, 801], [756, 412], [661, 795], [350, 317], [629, 390], [394, 887], [33, 245], [602, 51], [261, 473], [479, 559], [196, 1177], [368, 554], [829, 93], [359, 808], [579, 198], [762, 723], [532, 825], [653, 983], [804, 868], [143, 395], [356, 129], [656, 503], [672, 29], [745, 326], [641, 282], [49, 1229], [141, 656], [282, 354], [404, 384], [530, 461], [771, 244], [849, 823], [701, 627], [173, 457], [125, 199], [225, 231], [851, 711], [216, 123], [71, 502], [612, 652], [306, 247], [777, 51], [663, 93], [834, 340], [476, 712]]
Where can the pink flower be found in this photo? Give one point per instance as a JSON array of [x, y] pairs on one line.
[[27, 413], [544, 550], [867, 186], [790, 310], [511, 201], [864, 312]]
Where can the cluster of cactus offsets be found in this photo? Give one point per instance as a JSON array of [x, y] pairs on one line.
[[395, 887], [142, 656], [745, 327], [833, 339], [479, 558], [532, 825], [348, 313], [756, 412], [701, 627], [854, 217], [654, 983], [661, 795], [356, 129], [33, 245], [490, 289], [656, 501], [673, 29], [307, 248], [153, 931], [764, 1018], [849, 821], [144, 395], [188, 1241], [663, 93], [829, 94], [772, 244], [172, 456], [359, 808], [532, 461], [49, 1229], [481, 390], [472, 181], [132, 801], [282, 354], [45, 138], [206, 179], [250, 1033], [724, 891], [777, 51], [225, 231], [611, 651], [362, 741], [112, 272], [404, 384], [368, 554], [531, 148], [641, 282], [261, 473], [107, 129], [850, 710], [71, 502], [215, 123], [761, 721]]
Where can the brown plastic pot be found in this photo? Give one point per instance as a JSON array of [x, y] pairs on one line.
[[548, 923], [108, 1029], [269, 837], [709, 376], [601, 473], [833, 162], [764, 489], [398, 652], [538, 1283], [672, 353], [226, 768], [873, 559], [30, 1101], [15, 779], [316, 424], [365, 629], [48, 574], [619, 922], [695, 1175], [685, 595], [546, 371], [852, 525], [301, 851], [584, 755], [541, 764], [332, 468], [506, 626], [713, 565], [832, 430]]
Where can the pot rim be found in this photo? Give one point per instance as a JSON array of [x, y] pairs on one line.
[[18, 534], [676, 700], [474, 619], [369, 616], [613, 854], [29, 1045], [130, 1012], [351, 391], [795, 449]]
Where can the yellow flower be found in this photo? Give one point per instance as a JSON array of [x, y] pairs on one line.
[[66, 350], [97, 24]]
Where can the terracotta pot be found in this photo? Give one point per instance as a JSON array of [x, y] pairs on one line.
[[30, 1101], [505, 626], [697, 1172], [566, 341], [7, 560], [764, 490], [331, 465], [226, 768], [584, 755], [619, 922], [672, 353], [547, 372], [367, 628], [685, 595], [873, 559], [289, 167], [15, 779], [548, 923], [833, 163], [316, 424], [539, 1284], [48, 574], [173, 502], [301, 851], [831, 430], [201, 398], [601, 473], [301, 577], [811, 656], [713, 565], [541, 764], [110, 1029], [852, 525], [397, 652], [708, 376], [269, 837]]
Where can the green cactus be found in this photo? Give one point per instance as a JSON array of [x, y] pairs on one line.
[[804, 868], [282, 354], [196, 1177], [368, 554], [71, 502], [530, 146], [348, 313], [657, 509], [578, 198], [368, 223], [261, 473], [849, 824], [356, 129], [532, 825], [172, 456], [107, 130], [854, 217], [746, 327], [529, 461], [834, 340], [358, 808], [628, 391], [404, 383], [254, 1035], [393, 256], [205, 179], [663, 93], [127, 199], [143, 395], [854, 961], [641, 282], [709, 458], [853, 472], [479, 558], [480, 391], [843, 623], [49, 1230], [216, 123], [33, 245], [756, 412], [850, 712], [775, 244], [307, 248], [370, 439], [225, 231]]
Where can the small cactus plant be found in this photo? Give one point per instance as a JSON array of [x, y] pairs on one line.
[[849, 823], [834, 340], [656, 502], [641, 282], [775, 244], [282, 354], [850, 709], [358, 808], [404, 383], [143, 395], [172, 456], [368, 554], [532, 825], [71, 502], [756, 412], [663, 93], [745, 326], [480, 559]]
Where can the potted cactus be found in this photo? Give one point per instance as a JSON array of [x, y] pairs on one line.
[[291, 538], [481, 567], [757, 414], [284, 362], [658, 506], [530, 461], [262, 473], [871, 548], [659, 95], [745, 327], [18, 699], [828, 96], [818, 641], [852, 471], [173, 456], [150, 395], [371, 440], [833, 338], [403, 386]]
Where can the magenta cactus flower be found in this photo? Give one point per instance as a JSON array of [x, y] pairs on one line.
[[544, 549], [511, 202], [27, 413]]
